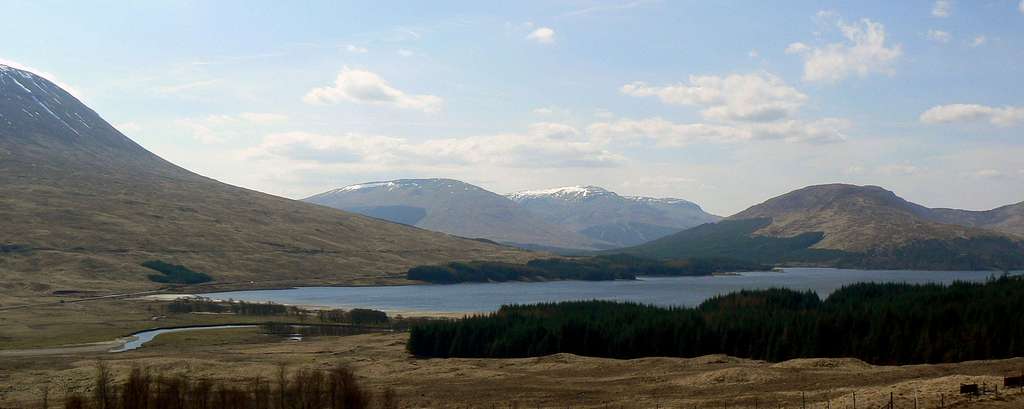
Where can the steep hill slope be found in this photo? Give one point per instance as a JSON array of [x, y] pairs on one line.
[[843, 225], [451, 206], [606, 216], [82, 206]]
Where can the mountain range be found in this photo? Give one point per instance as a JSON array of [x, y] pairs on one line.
[[453, 207], [605, 216], [578, 217], [83, 206], [854, 226]]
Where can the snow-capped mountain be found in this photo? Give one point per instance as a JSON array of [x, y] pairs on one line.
[[40, 112], [606, 216], [568, 193], [574, 217], [453, 207]]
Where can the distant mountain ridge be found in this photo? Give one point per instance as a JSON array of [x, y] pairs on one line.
[[567, 193], [1007, 219], [453, 207], [607, 216], [579, 217], [844, 225]]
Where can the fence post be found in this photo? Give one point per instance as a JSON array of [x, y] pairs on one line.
[[803, 400], [854, 399], [891, 406]]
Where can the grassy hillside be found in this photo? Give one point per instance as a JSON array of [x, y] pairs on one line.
[[1007, 219], [733, 238], [83, 207], [843, 226]]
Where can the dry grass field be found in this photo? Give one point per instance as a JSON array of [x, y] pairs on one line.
[[381, 360], [553, 381]]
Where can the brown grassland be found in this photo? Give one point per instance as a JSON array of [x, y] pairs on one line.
[[381, 361]]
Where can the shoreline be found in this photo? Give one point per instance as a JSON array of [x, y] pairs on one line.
[[405, 313]]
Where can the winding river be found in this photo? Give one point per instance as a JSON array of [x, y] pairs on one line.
[[139, 339]]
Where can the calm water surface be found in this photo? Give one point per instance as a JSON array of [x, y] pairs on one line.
[[667, 291]]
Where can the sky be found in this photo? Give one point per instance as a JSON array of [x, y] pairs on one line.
[[725, 103]]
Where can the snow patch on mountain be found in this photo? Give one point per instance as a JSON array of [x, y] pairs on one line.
[[450, 185], [660, 200], [564, 193], [36, 91]]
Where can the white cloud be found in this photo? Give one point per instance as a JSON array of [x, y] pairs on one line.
[[544, 145], [939, 36], [352, 48], [365, 87], [739, 108], [128, 127], [317, 148], [978, 41], [543, 35], [214, 129], [753, 54], [750, 97], [668, 133], [405, 53], [797, 48], [899, 169], [237, 59], [551, 111], [865, 52], [942, 8], [665, 132], [1000, 116], [825, 17], [1020, 7], [854, 170], [262, 117], [603, 8], [539, 147], [988, 173], [553, 130], [177, 89]]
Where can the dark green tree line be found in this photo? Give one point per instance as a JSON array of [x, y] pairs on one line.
[[598, 268], [879, 323]]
